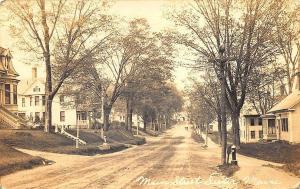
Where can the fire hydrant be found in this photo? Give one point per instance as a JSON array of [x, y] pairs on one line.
[[233, 153]]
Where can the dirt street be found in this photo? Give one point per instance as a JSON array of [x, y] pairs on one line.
[[173, 160]]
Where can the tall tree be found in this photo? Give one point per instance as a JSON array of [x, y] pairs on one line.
[[208, 89], [242, 30], [63, 32], [287, 40]]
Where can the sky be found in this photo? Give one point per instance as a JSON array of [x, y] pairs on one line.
[[153, 10]]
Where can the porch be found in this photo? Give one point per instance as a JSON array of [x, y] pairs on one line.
[[82, 119], [269, 127]]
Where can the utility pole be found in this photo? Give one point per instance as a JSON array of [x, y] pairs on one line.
[[77, 139], [206, 135], [103, 114], [77, 126], [137, 127]]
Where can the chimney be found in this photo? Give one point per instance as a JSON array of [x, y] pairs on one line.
[[296, 83], [34, 73]]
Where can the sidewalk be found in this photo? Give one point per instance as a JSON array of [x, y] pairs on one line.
[[255, 172]]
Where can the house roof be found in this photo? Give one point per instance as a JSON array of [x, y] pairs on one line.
[[5, 52], [287, 103], [26, 84], [7, 67], [268, 116]]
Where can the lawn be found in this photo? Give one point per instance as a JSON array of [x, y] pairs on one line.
[[278, 152], [214, 136], [148, 132], [51, 142], [12, 160], [197, 138]]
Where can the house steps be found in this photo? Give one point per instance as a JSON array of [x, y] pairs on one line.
[[10, 120], [72, 137]]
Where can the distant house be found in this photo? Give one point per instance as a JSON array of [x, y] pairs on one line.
[[32, 105], [251, 128], [282, 122], [8, 92], [181, 116], [120, 116]]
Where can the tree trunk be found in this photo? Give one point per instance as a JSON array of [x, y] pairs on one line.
[[236, 128], [145, 124], [157, 122], [166, 124], [95, 125], [107, 111], [130, 118], [223, 113], [127, 114], [48, 115], [220, 128], [167, 121], [46, 54], [207, 125]]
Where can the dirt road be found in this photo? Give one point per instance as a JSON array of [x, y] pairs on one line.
[[174, 160]]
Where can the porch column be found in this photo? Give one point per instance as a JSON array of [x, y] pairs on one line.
[[1, 94], [278, 129]]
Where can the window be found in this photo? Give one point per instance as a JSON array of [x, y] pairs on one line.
[[7, 93], [15, 94], [62, 116], [259, 121], [30, 101], [36, 89], [43, 100], [260, 134], [61, 99], [23, 102], [285, 124], [36, 100], [252, 134], [252, 121]]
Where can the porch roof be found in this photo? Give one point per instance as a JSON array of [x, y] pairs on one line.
[[287, 103], [251, 115]]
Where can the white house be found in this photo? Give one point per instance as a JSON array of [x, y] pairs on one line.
[[31, 101], [251, 128], [282, 122], [181, 116], [120, 116]]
